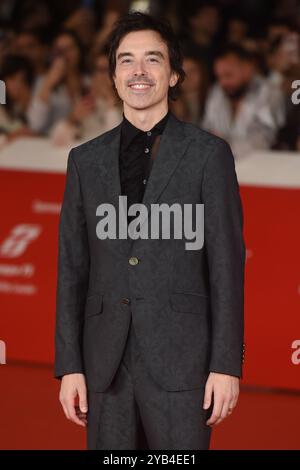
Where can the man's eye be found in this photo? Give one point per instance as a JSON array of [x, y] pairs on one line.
[[125, 60], [153, 59]]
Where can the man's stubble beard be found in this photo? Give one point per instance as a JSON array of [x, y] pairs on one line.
[[238, 93]]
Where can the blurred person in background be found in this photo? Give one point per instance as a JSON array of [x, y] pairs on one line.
[[190, 104], [17, 73], [283, 53], [289, 134], [100, 39], [96, 113], [277, 28], [283, 61], [83, 22], [31, 14], [237, 30], [62, 86], [7, 37], [33, 44], [242, 107], [203, 30]]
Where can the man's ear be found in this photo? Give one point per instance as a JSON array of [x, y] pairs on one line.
[[174, 79]]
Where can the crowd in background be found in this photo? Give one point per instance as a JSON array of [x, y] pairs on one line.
[[241, 60]]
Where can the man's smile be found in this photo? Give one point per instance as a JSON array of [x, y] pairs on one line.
[[139, 86]]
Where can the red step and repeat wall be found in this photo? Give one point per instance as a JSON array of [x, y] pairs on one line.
[[30, 204], [272, 288]]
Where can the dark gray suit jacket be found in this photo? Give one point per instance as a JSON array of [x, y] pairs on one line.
[[186, 306]]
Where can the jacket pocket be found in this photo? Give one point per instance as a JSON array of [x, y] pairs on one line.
[[189, 302], [94, 305]]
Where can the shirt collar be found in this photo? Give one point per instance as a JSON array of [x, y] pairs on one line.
[[129, 131]]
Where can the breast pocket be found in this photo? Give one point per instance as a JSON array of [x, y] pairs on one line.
[[189, 302], [94, 305]]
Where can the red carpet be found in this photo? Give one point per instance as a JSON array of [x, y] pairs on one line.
[[32, 418]]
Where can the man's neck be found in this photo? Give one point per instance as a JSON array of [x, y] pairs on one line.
[[144, 119]]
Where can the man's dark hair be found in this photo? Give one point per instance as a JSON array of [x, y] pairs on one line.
[[138, 21], [236, 50], [13, 64]]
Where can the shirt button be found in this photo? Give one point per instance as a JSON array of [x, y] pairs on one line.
[[149, 133], [146, 150], [133, 261], [144, 181]]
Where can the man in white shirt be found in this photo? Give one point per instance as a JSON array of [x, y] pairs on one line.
[[242, 107]]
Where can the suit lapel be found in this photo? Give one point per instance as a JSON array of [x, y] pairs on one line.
[[172, 146]]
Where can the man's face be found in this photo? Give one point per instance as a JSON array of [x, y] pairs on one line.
[[233, 75], [143, 74]]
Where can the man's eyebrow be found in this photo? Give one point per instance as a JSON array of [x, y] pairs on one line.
[[122, 54], [157, 53]]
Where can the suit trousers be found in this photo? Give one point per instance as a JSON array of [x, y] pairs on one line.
[[135, 412]]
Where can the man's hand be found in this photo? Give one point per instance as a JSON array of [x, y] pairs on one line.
[[71, 386], [224, 390]]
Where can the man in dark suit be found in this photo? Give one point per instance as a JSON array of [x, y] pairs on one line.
[[149, 335]]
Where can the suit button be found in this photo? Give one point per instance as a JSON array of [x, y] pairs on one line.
[[133, 261], [125, 300]]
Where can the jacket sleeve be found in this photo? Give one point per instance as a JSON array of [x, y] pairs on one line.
[[72, 276], [225, 251]]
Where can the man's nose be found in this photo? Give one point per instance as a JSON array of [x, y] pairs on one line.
[[140, 69]]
